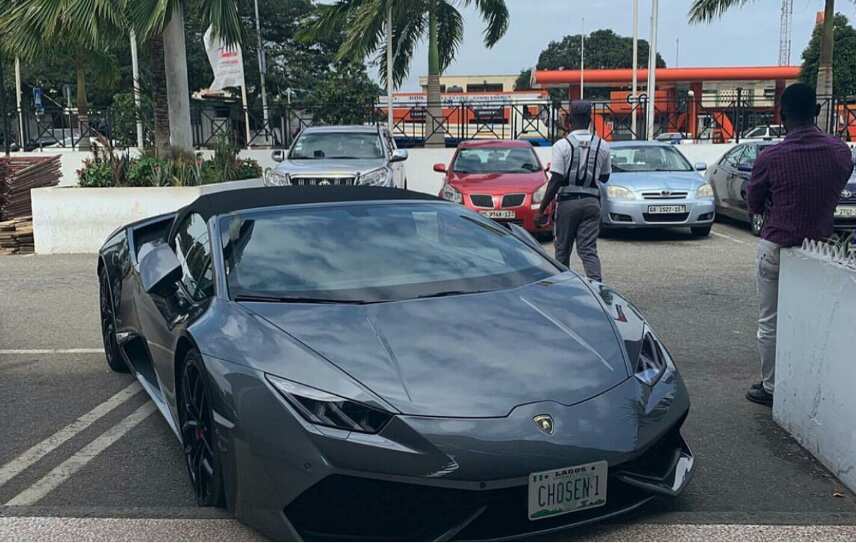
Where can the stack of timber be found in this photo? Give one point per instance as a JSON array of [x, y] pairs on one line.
[[18, 175], [16, 236]]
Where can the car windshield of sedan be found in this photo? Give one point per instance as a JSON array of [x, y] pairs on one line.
[[496, 160], [648, 158], [341, 145], [369, 253]]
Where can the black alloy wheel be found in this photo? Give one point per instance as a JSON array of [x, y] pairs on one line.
[[757, 223], [197, 434], [108, 327]]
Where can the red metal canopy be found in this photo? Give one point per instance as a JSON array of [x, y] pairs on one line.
[[549, 78]]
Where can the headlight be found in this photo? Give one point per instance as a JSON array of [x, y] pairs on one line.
[[652, 361], [276, 179], [705, 191], [617, 192], [380, 177], [452, 194], [538, 195], [325, 409]]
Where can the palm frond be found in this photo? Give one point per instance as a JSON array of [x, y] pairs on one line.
[[450, 33], [223, 17], [704, 11], [495, 13], [409, 26]]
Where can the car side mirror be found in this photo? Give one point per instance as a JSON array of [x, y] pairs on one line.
[[278, 155], [440, 168], [399, 155], [700, 166], [159, 268], [548, 166], [744, 167]]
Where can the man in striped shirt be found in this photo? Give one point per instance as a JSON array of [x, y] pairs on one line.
[[795, 186]]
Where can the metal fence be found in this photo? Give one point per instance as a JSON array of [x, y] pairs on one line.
[[719, 118]]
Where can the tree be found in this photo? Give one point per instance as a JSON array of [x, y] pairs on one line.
[[438, 21], [83, 28], [524, 80], [843, 58], [707, 10], [604, 49]]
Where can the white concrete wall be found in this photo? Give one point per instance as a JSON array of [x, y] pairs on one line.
[[815, 396]]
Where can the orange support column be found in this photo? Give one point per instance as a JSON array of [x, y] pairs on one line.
[[692, 109]]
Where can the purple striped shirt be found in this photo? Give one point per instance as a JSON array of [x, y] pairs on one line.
[[797, 184]]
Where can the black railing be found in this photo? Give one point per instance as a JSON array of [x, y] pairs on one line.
[[721, 118]]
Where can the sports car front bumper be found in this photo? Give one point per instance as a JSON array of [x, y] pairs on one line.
[[428, 478]]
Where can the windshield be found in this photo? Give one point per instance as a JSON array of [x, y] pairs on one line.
[[648, 158], [496, 160], [337, 145], [370, 253]]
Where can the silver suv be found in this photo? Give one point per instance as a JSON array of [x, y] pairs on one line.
[[340, 155]]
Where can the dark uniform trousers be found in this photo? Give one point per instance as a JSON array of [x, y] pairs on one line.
[[578, 220]]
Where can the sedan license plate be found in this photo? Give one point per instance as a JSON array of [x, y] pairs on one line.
[[845, 211], [499, 214], [564, 490], [664, 210]]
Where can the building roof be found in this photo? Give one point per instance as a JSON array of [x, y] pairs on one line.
[[550, 78]]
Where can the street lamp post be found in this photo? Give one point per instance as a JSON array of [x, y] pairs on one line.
[[262, 74], [652, 74], [135, 68], [389, 82], [634, 90], [18, 103], [582, 59], [3, 114]]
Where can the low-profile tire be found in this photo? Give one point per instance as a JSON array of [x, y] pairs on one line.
[[108, 327], [701, 231], [756, 222], [197, 434]]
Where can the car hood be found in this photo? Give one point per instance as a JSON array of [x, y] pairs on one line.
[[657, 180], [475, 355], [497, 183], [330, 165]]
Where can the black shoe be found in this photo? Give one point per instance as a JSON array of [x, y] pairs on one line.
[[760, 396], [757, 386]]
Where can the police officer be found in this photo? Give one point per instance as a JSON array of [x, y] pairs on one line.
[[580, 162]]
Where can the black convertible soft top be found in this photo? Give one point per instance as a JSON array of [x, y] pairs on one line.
[[228, 201]]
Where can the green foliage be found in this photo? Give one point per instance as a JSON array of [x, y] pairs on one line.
[[146, 171], [344, 96], [123, 116], [843, 57], [95, 173], [524, 80]]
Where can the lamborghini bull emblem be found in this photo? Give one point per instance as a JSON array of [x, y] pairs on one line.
[[544, 423]]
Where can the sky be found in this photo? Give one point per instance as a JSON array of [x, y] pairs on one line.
[[746, 36]]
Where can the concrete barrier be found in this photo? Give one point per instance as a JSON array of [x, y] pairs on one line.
[[816, 358]]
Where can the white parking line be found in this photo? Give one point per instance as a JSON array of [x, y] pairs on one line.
[[51, 351], [39, 450], [726, 236], [75, 462]]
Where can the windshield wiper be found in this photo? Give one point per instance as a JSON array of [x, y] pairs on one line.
[[299, 300]]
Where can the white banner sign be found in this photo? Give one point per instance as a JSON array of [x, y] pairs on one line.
[[227, 62]]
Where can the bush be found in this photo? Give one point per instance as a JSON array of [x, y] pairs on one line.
[[146, 171], [95, 173]]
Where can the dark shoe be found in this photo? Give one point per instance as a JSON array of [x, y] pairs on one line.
[[757, 386], [760, 396]]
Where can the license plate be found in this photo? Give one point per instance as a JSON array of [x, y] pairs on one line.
[[499, 214], [845, 211], [559, 491], [663, 210]]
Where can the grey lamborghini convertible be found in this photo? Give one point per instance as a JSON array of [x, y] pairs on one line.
[[368, 363]]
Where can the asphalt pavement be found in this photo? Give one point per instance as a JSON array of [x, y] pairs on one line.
[[84, 457]]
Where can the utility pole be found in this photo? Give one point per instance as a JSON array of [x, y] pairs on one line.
[[634, 90], [135, 69], [652, 73], [262, 74], [785, 32], [677, 51], [582, 59], [389, 82], [18, 103], [3, 114]]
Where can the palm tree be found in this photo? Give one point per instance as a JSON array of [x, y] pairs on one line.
[[707, 10], [363, 23], [34, 27], [161, 24]]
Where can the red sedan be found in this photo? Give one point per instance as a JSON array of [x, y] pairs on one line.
[[501, 179]]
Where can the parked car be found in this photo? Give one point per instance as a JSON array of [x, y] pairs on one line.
[[845, 213], [654, 186], [340, 155], [764, 132], [500, 179], [673, 137], [371, 363]]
